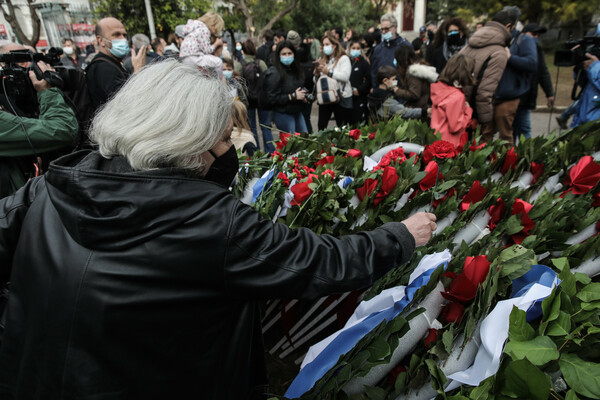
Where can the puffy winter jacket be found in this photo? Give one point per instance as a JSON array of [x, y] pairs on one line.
[[416, 92], [488, 43], [146, 285], [450, 115]]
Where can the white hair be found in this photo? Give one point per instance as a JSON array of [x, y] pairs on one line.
[[139, 40], [167, 114], [390, 18]]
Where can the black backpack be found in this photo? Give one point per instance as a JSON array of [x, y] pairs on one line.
[[253, 76]]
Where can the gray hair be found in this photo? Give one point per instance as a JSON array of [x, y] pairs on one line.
[[167, 114], [389, 17], [139, 39]]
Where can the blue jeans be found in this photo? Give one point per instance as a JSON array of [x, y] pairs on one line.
[[522, 124], [264, 119], [289, 122]]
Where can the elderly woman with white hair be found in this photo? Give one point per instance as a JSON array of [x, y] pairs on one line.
[[136, 274]]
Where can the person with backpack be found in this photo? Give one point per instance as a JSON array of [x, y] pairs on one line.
[[335, 64], [252, 70], [284, 91]]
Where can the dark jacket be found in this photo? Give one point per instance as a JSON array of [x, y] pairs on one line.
[[360, 77], [146, 285], [79, 62], [104, 76], [264, 52], [383, 54], [277, 91], [541, 77], [415, 90], [522, 64]]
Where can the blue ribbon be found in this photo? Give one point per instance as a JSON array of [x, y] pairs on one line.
[[346, 182], [261, 184], [539, 274], [346, 340]]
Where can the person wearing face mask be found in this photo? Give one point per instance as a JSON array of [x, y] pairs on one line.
[[360, 79], [335, 64], [383, 105], [455, 33], [238, 89], [383, 54], [148, 279], [70, 57], [284, 92], [238, 53], [105, 74]]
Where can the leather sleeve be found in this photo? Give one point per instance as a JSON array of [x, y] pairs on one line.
[[12, 213], [270, 260], [273, 87]]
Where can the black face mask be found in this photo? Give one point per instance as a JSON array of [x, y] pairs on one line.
[[455, 40], [430, 35], [224, 168]]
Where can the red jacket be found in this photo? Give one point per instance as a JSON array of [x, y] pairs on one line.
[[450, 115]]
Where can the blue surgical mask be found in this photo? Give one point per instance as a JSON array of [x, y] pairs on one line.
[[227, 74], [387, 36], [328, 50], [286, 60], [395, 63], [238, 48], [355, 53], [119, 48]]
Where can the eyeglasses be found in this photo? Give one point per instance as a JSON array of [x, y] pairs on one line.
[[385, 29]]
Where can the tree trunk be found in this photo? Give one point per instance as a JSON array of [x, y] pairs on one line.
[[280, 14], [248, 19], [11, 18]]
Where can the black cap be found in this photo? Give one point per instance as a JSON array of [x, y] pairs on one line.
[[534, 28]]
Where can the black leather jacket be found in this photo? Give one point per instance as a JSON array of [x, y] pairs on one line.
[[145, 285], [277, 91]]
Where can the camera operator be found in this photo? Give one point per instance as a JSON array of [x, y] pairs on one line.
[[23, 139], [588, 108]]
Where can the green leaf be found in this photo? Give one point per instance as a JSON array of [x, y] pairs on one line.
[[582, 278], [568, 284], [438, 379], [375, 393], [482, 392], [571, 395], [590, 306], [519, 329], [560, 263], [419, 176], [379, 349], [539, 350], [561, 326], [554, 310], [515, 261], [400, 383], [513, 225], [525, 381], [443, 187], [385, 219], [581, 376], [590, 292], [447, 338]]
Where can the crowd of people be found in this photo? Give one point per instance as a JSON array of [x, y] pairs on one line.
[[129, 269]]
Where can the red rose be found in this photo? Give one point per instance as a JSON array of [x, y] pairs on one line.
[[522, 207], [596, 202], [301, 190], [354, 153], [307, 170], [439, 149], [510, 161], [461, 289], [325, 160], [366, 189], [372, 135], [475, 195], [449, 194], [283, 140], [429, 180], [355, 134], [584, 175], [328, 172], [277, 155], [536, 170], [412, 153], [453, 312], [392, 155], [474, 146], [431, 338], [388, 183], [284, 178], [496, 213], [477, 268], [493, 157], [397, 370]]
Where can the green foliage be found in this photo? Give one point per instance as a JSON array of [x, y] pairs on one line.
[[167, 13], [582, 376]]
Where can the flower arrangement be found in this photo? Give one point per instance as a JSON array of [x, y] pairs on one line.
[[500, 210]]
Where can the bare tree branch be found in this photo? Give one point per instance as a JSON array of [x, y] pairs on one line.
[[11, 18], [278, 16]]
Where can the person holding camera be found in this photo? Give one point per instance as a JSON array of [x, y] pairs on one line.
[[588, 108], [283, 87], [21, 138]]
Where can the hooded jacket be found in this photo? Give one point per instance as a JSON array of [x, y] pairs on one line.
[[589, 102], [418, 79], [146, 285], [383, 54], [450, 115], [487, 43]]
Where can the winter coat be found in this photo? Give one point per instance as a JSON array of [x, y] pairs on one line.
[[147, 284], [450, 115], [381, 103], [104, 76], [54, 129], [487, 43], [277, 91], [360, 78], [541, 77], [522, 65], [416, 91], [589, 102], [341, 72], [383, 54]]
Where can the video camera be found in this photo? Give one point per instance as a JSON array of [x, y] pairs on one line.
[[17, 88], [574, 51]]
